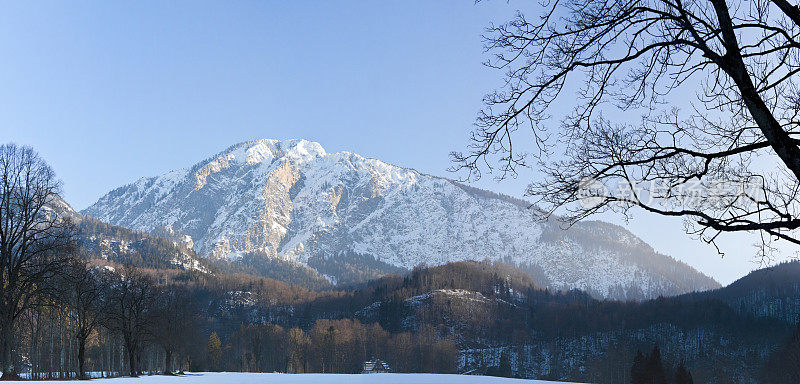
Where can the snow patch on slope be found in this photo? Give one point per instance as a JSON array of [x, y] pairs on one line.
[[295, 201]]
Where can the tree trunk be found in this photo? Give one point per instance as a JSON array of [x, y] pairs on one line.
[[132, 363], [167, 362], [81, 358], [130, 350], [6, 345], [61, 367], [50, 365], [734, 66]]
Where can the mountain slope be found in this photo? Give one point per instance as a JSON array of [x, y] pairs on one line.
[[161, 249], [772, 292], [294, 201]]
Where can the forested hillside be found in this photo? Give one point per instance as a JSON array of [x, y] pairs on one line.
[[99, 240], [466, 316], [770, 292]]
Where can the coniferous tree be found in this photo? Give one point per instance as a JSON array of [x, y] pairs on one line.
[[505, 364], [214, 351], [682, 375], [654, 369], [638, 374]]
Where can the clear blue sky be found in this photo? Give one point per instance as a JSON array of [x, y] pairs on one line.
[[110, 91]]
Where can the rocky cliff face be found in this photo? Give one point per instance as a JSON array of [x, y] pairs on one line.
[[292, 200]]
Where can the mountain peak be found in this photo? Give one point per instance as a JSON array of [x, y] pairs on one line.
[[257, 152], [265, 150], [290, 200]]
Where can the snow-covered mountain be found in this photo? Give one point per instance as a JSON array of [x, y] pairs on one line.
[[293, 201]]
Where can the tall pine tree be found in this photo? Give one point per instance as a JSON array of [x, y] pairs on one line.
[[648, 369], [214, 351], [654, 369], [682, 375], [638, 369]]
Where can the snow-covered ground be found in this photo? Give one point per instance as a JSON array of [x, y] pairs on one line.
[[277, 378]]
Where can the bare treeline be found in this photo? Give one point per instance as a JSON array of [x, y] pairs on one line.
[[106, 321], [53, 304], [335, 346]]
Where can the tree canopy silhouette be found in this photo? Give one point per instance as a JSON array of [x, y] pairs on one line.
[[34, 240], [728, 162]]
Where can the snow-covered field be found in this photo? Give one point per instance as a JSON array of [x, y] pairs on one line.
[[277, 378]]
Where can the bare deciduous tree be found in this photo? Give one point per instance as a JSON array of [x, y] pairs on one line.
[[175, 323], [34, 240], [735, 61], [130, 312], [82, 293]]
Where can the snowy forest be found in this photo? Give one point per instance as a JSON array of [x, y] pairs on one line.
[[277, 256], [68, 309]]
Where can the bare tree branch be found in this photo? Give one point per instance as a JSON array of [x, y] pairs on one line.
[[741, 59]]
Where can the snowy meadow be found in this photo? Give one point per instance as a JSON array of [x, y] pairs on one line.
[[279, 378]]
